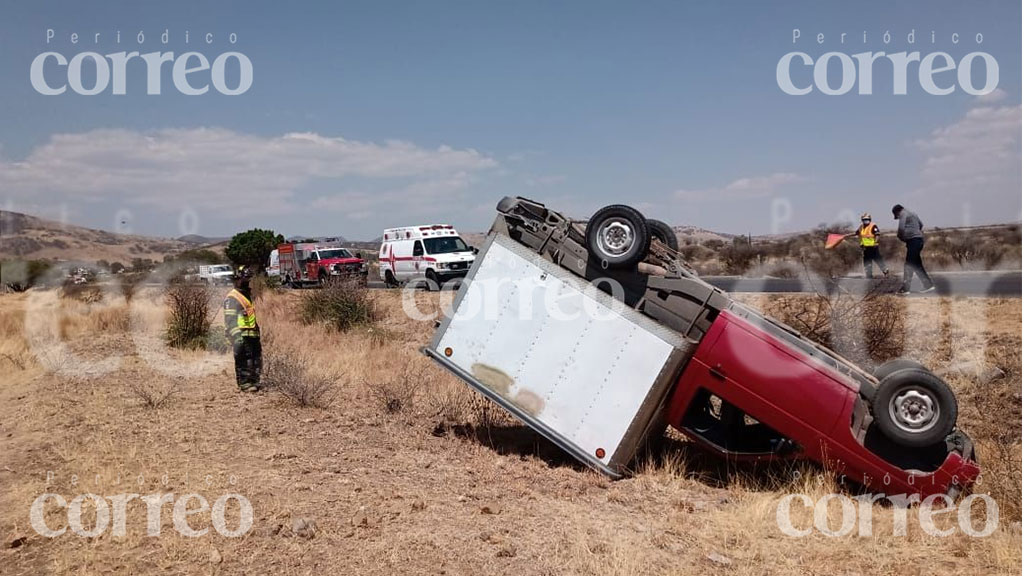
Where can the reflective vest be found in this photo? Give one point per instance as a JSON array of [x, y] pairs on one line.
[[247, 319], [867, 235]]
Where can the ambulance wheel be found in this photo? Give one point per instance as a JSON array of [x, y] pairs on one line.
[[618, 236], [389, 279], [433, 282], [663, 233], [914, 408]]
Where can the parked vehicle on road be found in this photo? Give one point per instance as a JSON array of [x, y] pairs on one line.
[[216, 273], [433, 253], [309, 263], [598, 337], [274, 264]]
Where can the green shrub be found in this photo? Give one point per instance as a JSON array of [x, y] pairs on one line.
[[341, 304]]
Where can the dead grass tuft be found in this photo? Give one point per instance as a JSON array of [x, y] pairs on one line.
[[152, 393], [395, 392], [286, 373]]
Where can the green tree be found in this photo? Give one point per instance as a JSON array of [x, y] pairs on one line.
[[253, 247]]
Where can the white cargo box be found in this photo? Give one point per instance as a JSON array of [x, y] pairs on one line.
[[569, 360]]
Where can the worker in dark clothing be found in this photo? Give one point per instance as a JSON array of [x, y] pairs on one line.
[[243, 332], [911, 232], [868, 235]]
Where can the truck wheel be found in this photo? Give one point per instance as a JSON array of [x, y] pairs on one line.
[[322, 278], [914, 408], [891, 366], [663, 233], [618, 236], [389, 279]]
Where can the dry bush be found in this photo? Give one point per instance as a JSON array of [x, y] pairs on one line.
[[286, 373], [395, 392], [81, 292], [865, 328], [130, 284], [450, 404], [153, 394], [341, 304], [991, 411], [739, 256], [189, 324]]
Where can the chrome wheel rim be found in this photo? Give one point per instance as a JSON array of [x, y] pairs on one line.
[[615, 237], [914, 410]]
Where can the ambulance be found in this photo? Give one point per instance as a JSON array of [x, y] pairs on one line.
[[433, 253]]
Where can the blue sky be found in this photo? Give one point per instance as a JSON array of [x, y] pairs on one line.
[[366, 115]]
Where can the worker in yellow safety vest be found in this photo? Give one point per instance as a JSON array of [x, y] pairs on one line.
[[868, 235], [243, 332]]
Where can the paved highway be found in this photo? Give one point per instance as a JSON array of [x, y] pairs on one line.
[[946, 284]]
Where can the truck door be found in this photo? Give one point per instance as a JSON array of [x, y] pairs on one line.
[[312, 265], [776, 383]]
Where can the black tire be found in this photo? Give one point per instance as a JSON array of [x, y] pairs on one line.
[[389, 279], [618, 236], [914, 408], [896, 365], [663, 233], [433, 283], [322, 278]]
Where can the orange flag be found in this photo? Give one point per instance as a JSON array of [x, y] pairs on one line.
[[833, 240]]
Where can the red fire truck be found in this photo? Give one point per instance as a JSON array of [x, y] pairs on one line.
[[304, 263]]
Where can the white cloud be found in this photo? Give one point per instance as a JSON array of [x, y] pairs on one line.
[[976, 160], [993, 97], [245, 174], [742, 188]]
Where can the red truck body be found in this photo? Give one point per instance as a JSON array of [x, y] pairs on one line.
[[303, 263], [786, 388]]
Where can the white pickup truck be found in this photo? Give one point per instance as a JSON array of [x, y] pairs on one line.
[[216, 273]]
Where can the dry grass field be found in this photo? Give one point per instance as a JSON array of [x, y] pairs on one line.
[[407, 471]]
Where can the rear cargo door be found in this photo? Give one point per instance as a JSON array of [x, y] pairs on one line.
[[569, 360]]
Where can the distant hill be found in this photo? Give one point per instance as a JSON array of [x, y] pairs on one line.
[[698, 235], [198, 240], [28, 237]]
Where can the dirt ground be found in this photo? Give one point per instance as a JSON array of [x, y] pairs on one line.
[[407, 471]]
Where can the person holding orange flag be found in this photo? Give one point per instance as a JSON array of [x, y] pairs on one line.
[[868, 236]]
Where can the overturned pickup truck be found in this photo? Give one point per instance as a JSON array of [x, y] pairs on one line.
[[598, 336]]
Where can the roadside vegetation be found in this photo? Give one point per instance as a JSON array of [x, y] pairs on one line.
[[404, 469], [341, 304], [983, 248]]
